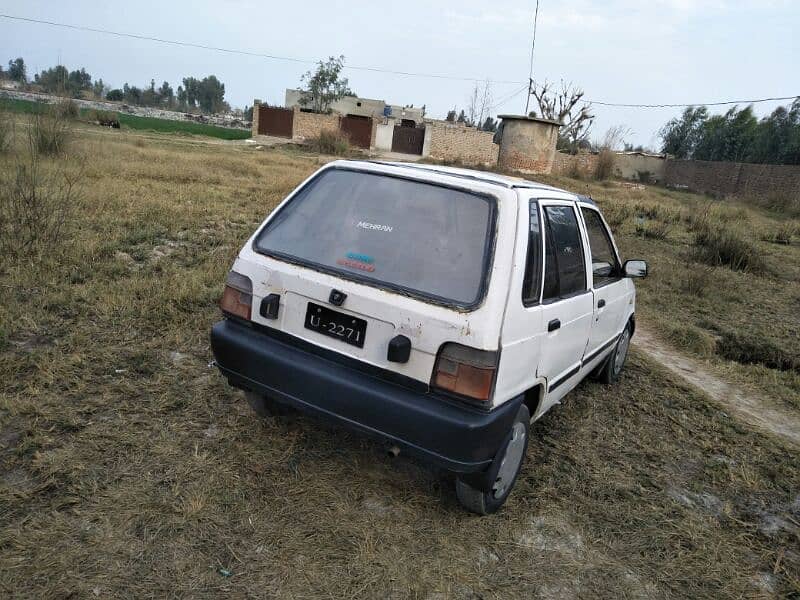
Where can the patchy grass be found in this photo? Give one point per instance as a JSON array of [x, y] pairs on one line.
[[133, 122], [129, 468], [760, 303]]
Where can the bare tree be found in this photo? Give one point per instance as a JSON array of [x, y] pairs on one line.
[[480, 102], [565, 104]]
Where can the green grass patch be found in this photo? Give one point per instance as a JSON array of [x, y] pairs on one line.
[[188, 127], [138, 123]]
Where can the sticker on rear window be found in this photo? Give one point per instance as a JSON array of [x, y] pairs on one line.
[[365, 258], [355, 264]]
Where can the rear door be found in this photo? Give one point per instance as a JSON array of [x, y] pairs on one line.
[[608, 285], [409, 256], [567, 304]]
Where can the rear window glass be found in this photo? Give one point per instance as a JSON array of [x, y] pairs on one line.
[[427, 239]]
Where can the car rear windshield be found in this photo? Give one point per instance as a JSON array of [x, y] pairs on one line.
[[426, 239]]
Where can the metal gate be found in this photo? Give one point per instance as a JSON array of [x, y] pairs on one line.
[[358, 129], [408, 140], [275, 121]]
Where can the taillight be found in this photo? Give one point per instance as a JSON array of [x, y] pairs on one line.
[[465, 371], [238, 295]]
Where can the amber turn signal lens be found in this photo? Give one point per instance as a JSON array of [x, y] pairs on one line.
[[237, 298], [465, 371]]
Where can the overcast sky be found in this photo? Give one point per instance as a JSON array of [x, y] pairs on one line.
[[626, 51]]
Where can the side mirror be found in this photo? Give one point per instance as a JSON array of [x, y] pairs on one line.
[[635, 268]]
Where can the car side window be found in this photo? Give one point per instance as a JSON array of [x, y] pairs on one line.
[[565, 269], [605, 267], [532, 280]]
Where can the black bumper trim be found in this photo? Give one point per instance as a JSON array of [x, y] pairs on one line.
[[458, 438]]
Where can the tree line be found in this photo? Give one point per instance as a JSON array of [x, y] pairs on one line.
[[737, 135], [206, 94]]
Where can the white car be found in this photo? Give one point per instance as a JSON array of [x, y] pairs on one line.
[[440, 310]]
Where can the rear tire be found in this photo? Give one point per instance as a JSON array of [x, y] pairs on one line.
[[507, 471], [264, 406], [611, 370]]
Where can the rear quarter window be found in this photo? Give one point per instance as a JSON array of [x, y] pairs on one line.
[[429, 240]]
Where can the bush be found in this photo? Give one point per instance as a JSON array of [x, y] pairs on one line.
[[780, 203], [36, 202], [330, 142], [50, 132], [66, 109], [696, 281], [616, 214], [782, 234], [6, 132], [605, 164], [104, 118], [748, 349], [692, 338], [724, 246], [653, 230]]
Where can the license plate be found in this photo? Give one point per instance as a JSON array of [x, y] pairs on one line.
[[336, 325]]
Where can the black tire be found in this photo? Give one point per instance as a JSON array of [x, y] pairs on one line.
[[610, 371], [265, 407], [485, 503]]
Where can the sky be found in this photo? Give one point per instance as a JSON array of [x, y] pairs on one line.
[[620, 51]]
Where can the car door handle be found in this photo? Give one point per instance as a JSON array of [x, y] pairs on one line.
[[601, 303], [553, 325]]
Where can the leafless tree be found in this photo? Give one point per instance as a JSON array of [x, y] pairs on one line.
[[565, 104], [480, 103]]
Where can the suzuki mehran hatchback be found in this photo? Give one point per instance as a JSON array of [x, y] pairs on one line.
[[440, 310]]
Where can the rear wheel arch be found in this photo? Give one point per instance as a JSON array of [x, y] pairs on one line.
[[533, 398]]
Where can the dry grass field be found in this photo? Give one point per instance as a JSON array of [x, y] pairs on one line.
[[128, 468]]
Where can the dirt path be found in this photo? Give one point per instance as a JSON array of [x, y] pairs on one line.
[[753, 409]]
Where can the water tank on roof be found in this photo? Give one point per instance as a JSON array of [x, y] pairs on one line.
[[387, 111]]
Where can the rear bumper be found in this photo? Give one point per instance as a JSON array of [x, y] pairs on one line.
[[458, 438]]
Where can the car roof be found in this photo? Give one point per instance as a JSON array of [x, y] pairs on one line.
[[505, 181]]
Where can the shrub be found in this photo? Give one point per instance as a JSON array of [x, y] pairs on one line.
[[780, 203], [36, 202], [724, 246], [756, 350], [696, 281], [6, 132], [574, 171], [616, 214], [653, 230], [605, 164], [104, 118], [782, 234], [692, 338], [66, 109], [49, 132], [330, 141]]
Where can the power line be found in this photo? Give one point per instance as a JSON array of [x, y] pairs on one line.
[[530, 82], [725, 103], [533, 47], [246, 52]]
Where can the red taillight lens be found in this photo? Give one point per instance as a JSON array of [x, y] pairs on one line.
[[238, 296], [465, 371]]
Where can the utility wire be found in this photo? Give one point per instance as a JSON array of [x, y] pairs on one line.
[[533, 47], [374, 69], [245, 52]]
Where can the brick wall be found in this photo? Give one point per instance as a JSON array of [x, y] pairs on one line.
[[583, 164], [309, 125], [455, 142], [744, 180]]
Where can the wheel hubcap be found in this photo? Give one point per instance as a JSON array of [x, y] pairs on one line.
[[511, 460], [622, 350]]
